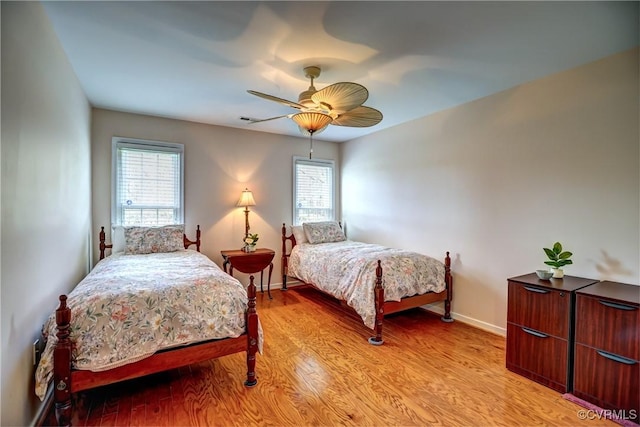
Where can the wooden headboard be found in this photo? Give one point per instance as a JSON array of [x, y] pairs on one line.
[[284, 265], [104, 246]]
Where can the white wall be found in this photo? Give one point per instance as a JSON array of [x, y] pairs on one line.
[[496, 180], [46, 193], [219, 163]]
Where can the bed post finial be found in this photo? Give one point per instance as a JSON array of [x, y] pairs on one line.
[[103, 245], [187, 243], [448, 280], [379, 304], [252, 334], [62, 364], [284, 264]]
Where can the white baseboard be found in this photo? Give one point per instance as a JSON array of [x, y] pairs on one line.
[[289, 284], [436, 308], [468, 320]]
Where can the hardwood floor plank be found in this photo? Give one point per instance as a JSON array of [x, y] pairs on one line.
[[194, 399], [157, 384], [317, 369], [82, 409], [123, 418]]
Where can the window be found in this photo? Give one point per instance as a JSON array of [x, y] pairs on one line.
[[313, 190], [147, 186]]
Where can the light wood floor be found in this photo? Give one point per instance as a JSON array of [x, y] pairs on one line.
[[318, 369]]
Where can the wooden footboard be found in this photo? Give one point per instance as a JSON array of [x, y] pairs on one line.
[[67, 381], [382, 307], [388, 307]]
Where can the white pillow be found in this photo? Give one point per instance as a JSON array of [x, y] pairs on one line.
[[298, 233], [117, 239]]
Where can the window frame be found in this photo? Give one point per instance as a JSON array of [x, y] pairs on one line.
[[315, 162], [152, 146]]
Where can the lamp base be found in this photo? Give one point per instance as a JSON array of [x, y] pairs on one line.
[[246, 222]]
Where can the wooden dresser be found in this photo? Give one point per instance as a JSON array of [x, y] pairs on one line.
[[540, 317], [607, 348]]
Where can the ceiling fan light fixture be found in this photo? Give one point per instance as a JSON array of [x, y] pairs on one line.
[[312, 121], [304, 132]]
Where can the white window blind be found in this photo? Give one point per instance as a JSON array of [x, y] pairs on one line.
[[148, 182], [313, 190]]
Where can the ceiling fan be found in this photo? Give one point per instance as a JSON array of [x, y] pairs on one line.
[[339, 104]]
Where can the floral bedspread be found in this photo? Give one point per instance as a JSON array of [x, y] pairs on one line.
[[130, 306], [347, 270]]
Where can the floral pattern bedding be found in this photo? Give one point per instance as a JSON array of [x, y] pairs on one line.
[[131, 306], [347, 270]]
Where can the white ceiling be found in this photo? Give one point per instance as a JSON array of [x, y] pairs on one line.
[[195, 60]]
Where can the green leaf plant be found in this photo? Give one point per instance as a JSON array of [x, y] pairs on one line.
[[557, 258]]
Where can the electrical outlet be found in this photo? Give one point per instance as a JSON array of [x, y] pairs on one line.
[[36, 352]]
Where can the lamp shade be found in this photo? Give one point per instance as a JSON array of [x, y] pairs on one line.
[[246, 198], [312, 121]]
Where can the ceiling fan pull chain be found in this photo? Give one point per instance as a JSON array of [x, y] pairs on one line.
[[310, 144]]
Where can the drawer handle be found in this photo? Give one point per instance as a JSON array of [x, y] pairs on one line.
[[539, 291], [534, 333], [616, 358], [618, 306]]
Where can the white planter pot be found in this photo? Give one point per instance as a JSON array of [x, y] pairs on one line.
[[249, 248], [558, 273]]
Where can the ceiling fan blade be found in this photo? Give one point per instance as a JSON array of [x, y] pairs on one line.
[[359, 117], [341, 97], [252, 121], [276, 99]]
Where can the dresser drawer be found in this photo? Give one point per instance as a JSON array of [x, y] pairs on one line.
[[608, 383], [541, 309], [538, 356], [608, 325]]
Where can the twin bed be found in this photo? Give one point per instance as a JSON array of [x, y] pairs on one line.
[[154, 306], [371, 279]]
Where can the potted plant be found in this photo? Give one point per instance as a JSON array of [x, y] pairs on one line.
[[250, 242], [557, 259]]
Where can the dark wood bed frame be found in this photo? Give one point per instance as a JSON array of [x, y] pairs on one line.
[[382, 307], [67, 380]]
